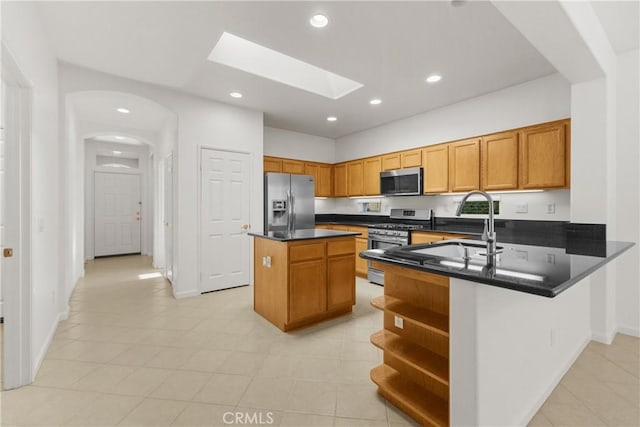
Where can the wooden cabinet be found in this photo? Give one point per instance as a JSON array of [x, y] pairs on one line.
[[391, 161], [414, 374], [499, 164], [305, 281], [543, 157], [324, 181], [340, 188], [361, 263], [435, 160], [272, 164], [372, 168], [464, 165], [418, 237], [355, 178], [411, 158], [307, 289], [293, 166]]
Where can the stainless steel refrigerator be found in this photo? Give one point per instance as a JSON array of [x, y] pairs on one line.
[[288, 202]]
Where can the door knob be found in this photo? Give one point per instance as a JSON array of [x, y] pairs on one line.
[[7, 252], [245, 227]]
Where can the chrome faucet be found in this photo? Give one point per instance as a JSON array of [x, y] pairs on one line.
[[489, 233]]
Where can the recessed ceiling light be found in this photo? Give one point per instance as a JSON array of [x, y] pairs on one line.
[[433, 78], [120, 137], [123, 110], [319, 21], [116, 152], [332, 119], [235, 95], [375, 101]]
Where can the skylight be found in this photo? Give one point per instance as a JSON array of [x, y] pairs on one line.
[[253, 58]]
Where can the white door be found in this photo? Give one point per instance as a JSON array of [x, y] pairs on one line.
[[117, 206], [2, 179], [168, 218], [224, 216]]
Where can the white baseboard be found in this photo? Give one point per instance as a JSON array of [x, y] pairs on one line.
[[47, 343], [629, 331], [556, 380], [186, 294], [602, 338]]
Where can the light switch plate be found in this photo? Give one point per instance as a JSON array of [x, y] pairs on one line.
[[398, 322]]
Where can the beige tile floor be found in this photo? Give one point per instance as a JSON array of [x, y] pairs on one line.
[[130, 354]]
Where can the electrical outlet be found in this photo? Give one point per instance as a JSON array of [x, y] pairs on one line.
[[522, 208], [523, 255], [266, 261], [551, 208], [551, 259], [398, 322]]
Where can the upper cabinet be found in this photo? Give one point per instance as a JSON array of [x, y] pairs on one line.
[[372, 169], [499, 164], [391, 161], [464, 165], [324, 181], [532, 157], [411, 158], [293, 166], [435, 160], [272, 164], [340, 180], [544, 156], [355, 178]]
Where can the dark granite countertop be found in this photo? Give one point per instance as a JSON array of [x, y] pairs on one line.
[[539, 270], [304, 234]]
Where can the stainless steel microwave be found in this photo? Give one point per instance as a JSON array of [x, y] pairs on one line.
[[401, 182]]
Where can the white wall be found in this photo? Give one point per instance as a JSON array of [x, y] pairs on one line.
[[533, 102], [23, 36], [93, 148], [201, 122], [296, 145], [627, 188]]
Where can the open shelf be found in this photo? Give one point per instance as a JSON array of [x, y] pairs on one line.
[[381, 301], [418, 402], [415, 357], [436, 322]]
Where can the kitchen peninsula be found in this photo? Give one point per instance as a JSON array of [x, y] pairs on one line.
[[304, 276], [469, 344]]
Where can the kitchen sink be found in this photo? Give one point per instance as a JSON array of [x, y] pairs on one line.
[[454, 250]]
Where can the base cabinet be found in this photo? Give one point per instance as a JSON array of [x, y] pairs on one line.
[[303, 282]]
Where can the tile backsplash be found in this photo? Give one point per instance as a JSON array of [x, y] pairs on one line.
[[552, 205]]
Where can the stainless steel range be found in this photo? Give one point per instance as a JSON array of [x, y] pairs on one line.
[[395, 234]]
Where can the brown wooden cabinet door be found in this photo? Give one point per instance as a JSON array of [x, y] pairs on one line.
[[543, 156], [499, 166], [372, 168], [361, 263], [355, 177], [312, 169], [391, 162], [307, 289], [341, 288], [411, 158], [340, 180], [464, 165], [272, 164], [324, 181], [293, 166], [436, 169]]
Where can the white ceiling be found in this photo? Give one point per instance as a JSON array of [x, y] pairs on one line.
[[389, 46]]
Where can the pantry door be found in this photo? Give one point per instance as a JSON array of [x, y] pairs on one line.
[[117, 206], [224, 219]]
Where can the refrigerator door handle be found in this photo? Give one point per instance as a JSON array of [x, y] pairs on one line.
[[293, 211]]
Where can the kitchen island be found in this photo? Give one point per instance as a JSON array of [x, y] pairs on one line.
[[303, 277], [467, 344]]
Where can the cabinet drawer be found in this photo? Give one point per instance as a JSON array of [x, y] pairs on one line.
[[306, 252], [362, 230], [341, 247]]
